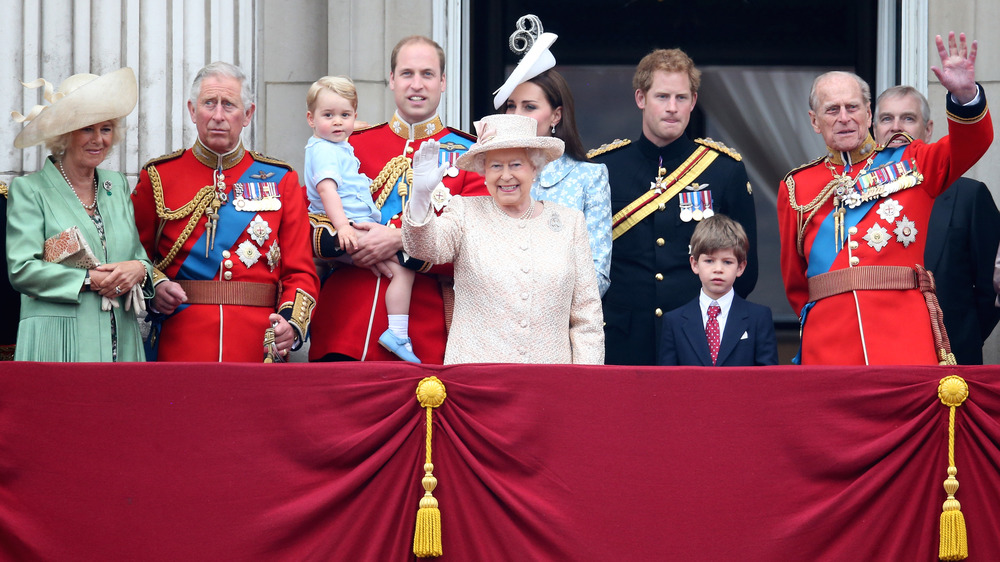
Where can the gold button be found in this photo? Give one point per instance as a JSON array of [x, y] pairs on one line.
[[853, 244], [662, 207], [855, 260], [853, 230], [409, 149], [226, 254], [227, 275], [659, 277], [658, 312], [660, 241], [228, 264]]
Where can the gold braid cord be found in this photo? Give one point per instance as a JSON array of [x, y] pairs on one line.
[[811, 207], [954, 544], [383, 183], [427, 536], [194, 208]]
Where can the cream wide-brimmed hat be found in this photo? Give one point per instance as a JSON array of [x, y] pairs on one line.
[[500, 131], [80, 101], [527, 37]]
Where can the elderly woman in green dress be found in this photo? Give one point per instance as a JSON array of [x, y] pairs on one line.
[[77, 308]]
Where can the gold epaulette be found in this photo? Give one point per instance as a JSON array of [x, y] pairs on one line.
[[268, 160], [369, 127], [608, 147], [164, 158], [463, 134], [809, 164], [716, 145], [3, 189]]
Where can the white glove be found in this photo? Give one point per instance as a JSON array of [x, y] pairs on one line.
[[427, 174], [107, 303], [135, 300]]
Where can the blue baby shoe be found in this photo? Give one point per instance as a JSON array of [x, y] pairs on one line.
[[397, 345]]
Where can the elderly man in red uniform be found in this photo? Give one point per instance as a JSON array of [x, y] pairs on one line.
[[228, 233], [352, 306], [853, 224]]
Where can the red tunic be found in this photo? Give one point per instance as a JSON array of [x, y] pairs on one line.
[[212, 332], [345, 317], [896, 324]]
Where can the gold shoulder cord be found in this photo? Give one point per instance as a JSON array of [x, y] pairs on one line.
[[810, 207], [194, 208], [382, 184]]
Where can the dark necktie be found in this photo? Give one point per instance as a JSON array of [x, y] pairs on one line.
[[712, 331]]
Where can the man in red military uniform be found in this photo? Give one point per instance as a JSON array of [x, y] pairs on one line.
[[351, 310], [228, 233], [853, 224]]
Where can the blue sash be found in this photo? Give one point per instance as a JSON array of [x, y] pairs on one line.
[[823, 253], [452, 146], [232, 223]]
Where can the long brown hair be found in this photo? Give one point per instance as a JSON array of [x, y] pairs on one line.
[[558, 94]]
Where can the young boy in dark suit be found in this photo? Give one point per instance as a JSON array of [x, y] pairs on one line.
[[718, 327]]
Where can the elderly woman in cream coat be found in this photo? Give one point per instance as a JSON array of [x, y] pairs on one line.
[[77, 310], [525, 289]]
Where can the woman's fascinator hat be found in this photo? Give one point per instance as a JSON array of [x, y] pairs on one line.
[[530, 40], [80, 101], [500, 131]]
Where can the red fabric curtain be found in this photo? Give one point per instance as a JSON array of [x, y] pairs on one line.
[[323, 462]]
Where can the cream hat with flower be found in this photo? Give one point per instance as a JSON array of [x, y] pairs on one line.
[[80, 101], [500, 131]]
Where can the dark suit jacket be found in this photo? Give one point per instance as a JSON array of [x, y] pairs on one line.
[[683, 340], [962, 238]]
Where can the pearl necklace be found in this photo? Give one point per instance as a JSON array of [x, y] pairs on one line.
[[525, 216], [70, 184]]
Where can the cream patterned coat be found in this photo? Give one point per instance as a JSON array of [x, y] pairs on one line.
[[525, 291]]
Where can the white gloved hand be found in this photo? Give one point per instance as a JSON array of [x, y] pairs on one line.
[[427, 174]]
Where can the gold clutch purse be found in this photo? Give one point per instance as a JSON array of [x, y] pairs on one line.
[[69, 248]]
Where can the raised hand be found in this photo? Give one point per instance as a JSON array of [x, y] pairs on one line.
[[957, 72], [427, 174]]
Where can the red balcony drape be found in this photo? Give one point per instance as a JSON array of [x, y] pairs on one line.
[[323, 462]]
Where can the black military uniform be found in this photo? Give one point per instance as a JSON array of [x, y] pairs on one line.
[[650, 270]]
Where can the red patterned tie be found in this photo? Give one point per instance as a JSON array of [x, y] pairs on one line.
[[712, 331]]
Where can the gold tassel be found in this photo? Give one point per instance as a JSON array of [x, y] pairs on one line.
[[954, 544], [427, 536]]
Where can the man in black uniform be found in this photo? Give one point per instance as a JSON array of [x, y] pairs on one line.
[[662, 184]]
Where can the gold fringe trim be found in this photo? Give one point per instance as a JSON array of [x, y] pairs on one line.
[[716, 145], [608, 147], [427, 535], [954, 544]]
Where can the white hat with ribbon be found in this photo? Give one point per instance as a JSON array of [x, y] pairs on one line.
[[81, 100], [528, 38], [500, 131]]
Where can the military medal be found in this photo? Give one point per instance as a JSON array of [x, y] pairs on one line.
[[273, 255], [259, 230], [685, 203], [257, 196], [698, 212], [906, 232], [706, 200], [449, 158], [248, 253]]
